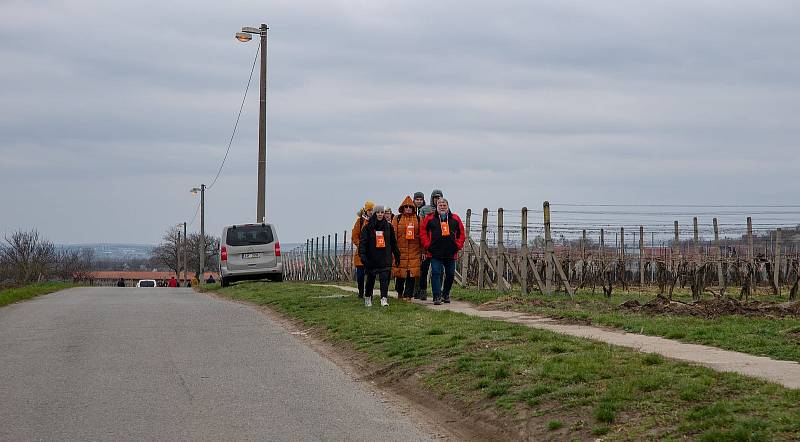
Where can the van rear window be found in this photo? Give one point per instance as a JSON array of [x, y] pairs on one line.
[[249, 235]]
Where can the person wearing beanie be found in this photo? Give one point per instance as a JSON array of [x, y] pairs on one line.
[[355, 236], [377, 247], [424, 211], [419, 201], [406, 229], [442, 234]]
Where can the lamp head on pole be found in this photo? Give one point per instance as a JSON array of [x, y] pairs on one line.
[[243, 37], [195, 190]]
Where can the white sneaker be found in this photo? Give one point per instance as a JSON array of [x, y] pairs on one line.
[[384, 302], [368, 301]]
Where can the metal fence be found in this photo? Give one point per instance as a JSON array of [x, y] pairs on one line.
[[600, 247]]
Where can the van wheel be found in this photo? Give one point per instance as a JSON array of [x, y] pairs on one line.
[[224, 282], [276, 278]]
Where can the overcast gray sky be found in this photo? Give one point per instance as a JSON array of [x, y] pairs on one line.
[[111, 111]]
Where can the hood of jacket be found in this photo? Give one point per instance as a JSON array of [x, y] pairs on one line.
[[407, 202]]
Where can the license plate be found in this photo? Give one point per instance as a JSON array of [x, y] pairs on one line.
[[250, 255]]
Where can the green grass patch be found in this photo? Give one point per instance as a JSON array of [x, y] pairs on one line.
[[778, 338], [10, 296], [527, 373], [555, 425]]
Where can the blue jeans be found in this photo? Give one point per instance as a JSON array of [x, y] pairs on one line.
[[448, 266]]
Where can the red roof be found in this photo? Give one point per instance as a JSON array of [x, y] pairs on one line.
[[145, 275]]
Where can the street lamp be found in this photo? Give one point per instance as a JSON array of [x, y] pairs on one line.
[[245, 36], [202, 190]]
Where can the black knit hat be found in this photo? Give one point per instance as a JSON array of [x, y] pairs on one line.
[[419, 195]]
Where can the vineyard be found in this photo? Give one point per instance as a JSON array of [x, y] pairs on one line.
[[742, 251]]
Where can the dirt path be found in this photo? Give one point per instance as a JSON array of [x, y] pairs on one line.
[[786, 373]]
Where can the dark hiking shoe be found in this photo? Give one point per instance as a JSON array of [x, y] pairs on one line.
[[437, 303], [447, 300]]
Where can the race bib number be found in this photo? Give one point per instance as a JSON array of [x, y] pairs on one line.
[[445, 228], [379, 241], [410, 231]]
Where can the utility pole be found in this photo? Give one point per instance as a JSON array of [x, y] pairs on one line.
[[185, 256], [245, 36], [178, 252], [202, 232], [202, 244], [262, 131]]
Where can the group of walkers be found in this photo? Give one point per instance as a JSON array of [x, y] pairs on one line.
[[421, 237]]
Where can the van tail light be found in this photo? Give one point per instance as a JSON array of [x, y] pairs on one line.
[[224, 253], [277, 249]]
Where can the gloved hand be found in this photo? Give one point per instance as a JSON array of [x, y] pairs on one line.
[[397, 262]]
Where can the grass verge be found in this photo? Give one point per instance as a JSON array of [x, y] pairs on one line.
[[10, 296], [538, 382], [778, 338]]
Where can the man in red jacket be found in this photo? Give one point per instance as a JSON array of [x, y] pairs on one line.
[[442, 235]]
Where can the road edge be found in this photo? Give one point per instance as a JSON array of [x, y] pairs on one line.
[[435, 417]]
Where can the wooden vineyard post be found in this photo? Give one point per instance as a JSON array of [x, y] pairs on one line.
[[602, 249], [583, 257], [622, 275], [718, 256], [551, 263], [465, 251], [549, 251], [500, 253], [641, 256], [676, 245], [523, 263], [696, 241], [750, 251], [776, 267], [482, 249]]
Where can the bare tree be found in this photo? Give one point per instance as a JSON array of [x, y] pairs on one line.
[[167, 252], [75, 265], [27, 257]]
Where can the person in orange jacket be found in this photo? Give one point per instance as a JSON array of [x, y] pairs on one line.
[[406, 229], [443, 235], [355, 236]]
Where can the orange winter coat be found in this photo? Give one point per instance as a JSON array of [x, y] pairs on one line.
[[355, 236], [410, 249]]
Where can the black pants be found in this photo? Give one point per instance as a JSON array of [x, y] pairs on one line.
[[383, 279], [405, 287], [422, 284], [360, 279]]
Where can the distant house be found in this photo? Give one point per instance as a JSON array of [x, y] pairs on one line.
[[131, 277]]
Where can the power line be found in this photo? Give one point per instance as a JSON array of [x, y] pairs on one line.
[[196, 211], [744, 206], [236, 125]]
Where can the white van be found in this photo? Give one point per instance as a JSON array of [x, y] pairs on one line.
[[249, 251]]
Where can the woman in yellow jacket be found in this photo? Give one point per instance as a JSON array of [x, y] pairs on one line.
[[406, 229], [363, 218]]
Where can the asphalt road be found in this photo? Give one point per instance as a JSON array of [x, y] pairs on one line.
[[169, 364]]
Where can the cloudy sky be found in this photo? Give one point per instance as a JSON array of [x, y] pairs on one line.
[[111, 111]]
